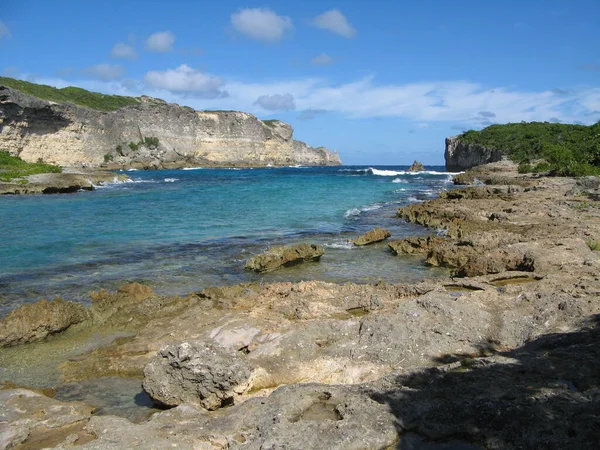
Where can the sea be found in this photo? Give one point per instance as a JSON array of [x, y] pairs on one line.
[[180, 231]]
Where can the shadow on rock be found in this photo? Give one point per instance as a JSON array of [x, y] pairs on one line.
[[545, 394]]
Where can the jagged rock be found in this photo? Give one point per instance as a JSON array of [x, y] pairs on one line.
[[70, 135], [415, 245], [36, 321], [277, 257], [199, 373], [416, 167], [372, 236], [460, 156]]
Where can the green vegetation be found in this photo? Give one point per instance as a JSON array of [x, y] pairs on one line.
[[561, 149], [74, 95], [108, 157], [594, 245], [271, 123], [14, 167], [149, 142]]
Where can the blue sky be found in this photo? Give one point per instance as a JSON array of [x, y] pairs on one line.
[[383, 82]]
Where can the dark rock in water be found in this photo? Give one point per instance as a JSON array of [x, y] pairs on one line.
[[36, 321], [372, 236], [416, 167], [277, 257], [199, 373]]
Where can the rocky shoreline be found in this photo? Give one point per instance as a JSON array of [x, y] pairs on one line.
[[67, 182], [502, 355]]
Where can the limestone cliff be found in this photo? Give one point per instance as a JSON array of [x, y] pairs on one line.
[[460, 156], [69, 135]]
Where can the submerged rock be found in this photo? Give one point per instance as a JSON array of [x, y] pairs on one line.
[[416, 167], [277, 257], [372, 236], [36, 321], [199, 373]]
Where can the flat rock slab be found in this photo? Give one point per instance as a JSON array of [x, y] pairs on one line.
[[372, 236], [285, 256]]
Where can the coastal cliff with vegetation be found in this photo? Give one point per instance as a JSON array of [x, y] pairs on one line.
[[559, 149], [75, 127]]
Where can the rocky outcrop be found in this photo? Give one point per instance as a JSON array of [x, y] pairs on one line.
[[60, 183], [460, 156], [416, 167], [37, 321], [68, 135], [372, 236], [194, 372], [285, 256]]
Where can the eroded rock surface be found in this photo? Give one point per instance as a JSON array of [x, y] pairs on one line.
[[202, 374], [285, 256], [372, 236], [35, 322]]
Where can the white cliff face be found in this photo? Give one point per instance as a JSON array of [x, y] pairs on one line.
[[460, 156], [69, 135]]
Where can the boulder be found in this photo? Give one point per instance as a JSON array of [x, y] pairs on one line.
[[372, 236], [286, 256], [195, 372], [416, 167], [36, 321]]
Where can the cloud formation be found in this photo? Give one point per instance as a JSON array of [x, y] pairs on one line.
[[185, 79], [123, 51], [334, 21], [160, 42], [276, 102], [261, 24], [309, 114], [4, 31], [105, 72], [322, 60]]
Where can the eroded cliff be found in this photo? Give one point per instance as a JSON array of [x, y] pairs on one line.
[[461, 156], [69, 135]]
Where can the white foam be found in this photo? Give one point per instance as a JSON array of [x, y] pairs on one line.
[[343, 244], [132, 170], [353, 212], [171, 180], [191, 168]]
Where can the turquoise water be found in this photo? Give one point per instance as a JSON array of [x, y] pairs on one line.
[[182, 230]]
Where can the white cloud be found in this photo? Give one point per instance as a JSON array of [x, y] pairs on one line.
[[4, 31], [276, 102], [261, 24], [185, 79], [322, 60], [334, 21], [161, 42], [105, 72], [123, 51]]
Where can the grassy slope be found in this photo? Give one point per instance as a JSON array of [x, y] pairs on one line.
[[74, 95], [565, 149], [14, 167]]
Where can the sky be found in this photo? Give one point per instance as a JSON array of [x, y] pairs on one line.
[[381, 81]]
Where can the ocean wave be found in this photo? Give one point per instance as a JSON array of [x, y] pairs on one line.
[[342, 244], [192, 168], [395, 173], [132, 170], [171, 180], [353, 212]]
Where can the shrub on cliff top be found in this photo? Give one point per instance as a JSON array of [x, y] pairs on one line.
[[71, 94], [14, 167], [567, 150]]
